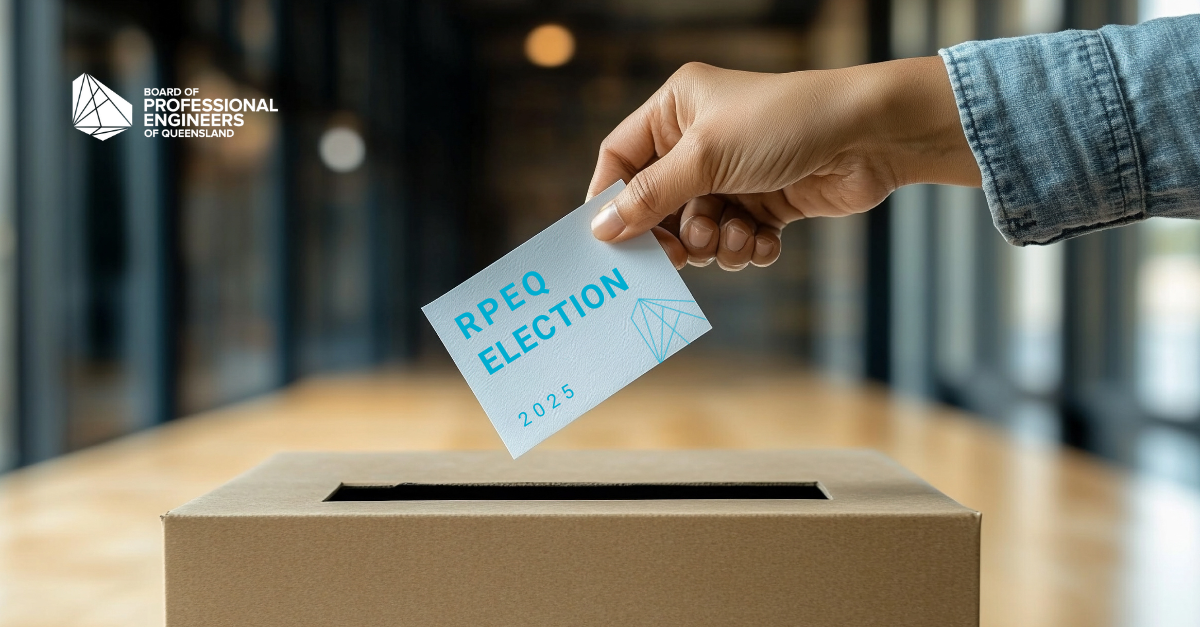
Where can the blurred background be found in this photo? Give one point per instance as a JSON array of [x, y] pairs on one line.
[[146, 279]]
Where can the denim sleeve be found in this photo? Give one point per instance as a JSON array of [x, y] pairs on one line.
[[1083, 130]]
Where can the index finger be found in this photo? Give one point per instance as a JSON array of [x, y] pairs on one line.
[[625, 152]]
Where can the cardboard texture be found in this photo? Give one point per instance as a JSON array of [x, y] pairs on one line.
[[562, 322], [268, 549]]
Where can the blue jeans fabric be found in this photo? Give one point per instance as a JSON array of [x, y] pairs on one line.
[[1083, 130]]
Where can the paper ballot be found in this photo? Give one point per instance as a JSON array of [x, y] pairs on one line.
[[563, 322]]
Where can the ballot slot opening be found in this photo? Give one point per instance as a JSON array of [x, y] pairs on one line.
[[577, 492]]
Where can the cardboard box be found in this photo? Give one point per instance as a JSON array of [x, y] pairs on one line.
[[573, 538]]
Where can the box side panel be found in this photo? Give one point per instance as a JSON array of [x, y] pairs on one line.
[[368, 572]]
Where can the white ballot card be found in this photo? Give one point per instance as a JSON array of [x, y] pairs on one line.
[[563, 322]]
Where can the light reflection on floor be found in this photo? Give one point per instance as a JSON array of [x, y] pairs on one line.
[[1161, 576]]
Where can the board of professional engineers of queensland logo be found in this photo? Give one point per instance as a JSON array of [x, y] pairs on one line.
[[98, 110]]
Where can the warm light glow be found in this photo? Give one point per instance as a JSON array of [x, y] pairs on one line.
[[549, 45]]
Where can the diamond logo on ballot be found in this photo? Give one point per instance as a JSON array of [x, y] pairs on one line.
[[546, 333], [663, 323]]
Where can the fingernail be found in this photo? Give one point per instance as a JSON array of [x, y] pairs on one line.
[[735, 237], [608, 223], [763, 247], [699, 235]]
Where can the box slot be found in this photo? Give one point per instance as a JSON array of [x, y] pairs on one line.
[[577, 491]]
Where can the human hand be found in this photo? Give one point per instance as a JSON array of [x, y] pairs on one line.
[[719, 161]]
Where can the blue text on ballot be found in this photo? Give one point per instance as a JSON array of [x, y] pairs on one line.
[[556, 326]]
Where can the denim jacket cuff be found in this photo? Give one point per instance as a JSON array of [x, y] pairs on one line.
[[1050, 129]]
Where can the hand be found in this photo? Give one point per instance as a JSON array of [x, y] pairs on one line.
[[719, 161]]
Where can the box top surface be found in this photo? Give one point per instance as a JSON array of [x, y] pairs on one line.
[[858, 482]]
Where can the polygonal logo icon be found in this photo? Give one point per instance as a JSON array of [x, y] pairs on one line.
[[98, 110], [665, 325]]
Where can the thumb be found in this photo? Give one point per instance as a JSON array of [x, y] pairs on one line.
[[653, 194]]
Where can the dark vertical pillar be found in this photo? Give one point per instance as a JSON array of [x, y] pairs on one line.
[[388, 110], [991, 334], [282, 251], [149, 248], [43, 95], [877, 334], [1081, 327], [1098, 402], [379, 200], [439, 134], [8, 240], [283, 223]]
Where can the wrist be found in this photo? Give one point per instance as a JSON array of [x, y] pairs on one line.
[[913, 123]]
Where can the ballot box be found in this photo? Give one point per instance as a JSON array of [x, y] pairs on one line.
[[820, 538]]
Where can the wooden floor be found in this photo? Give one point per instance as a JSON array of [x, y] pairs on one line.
[[1067, 540]]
